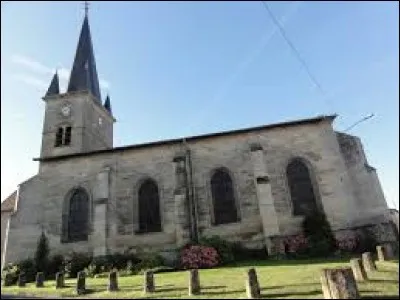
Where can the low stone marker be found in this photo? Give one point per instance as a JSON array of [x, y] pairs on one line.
[[112, 281], [81, 283], [148, 282], [252, 286], [368, 262], [358, 269], [21, 279], [60, 280], [39, 279], [385, 252], [194, 282], [339, 283]]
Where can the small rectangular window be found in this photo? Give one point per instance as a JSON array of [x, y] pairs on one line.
[[59, 136], [67, 139]]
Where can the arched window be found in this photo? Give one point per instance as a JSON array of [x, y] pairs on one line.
[[301, 188], [224, 205], [76, 217], [149, 207]]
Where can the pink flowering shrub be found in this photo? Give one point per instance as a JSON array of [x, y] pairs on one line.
[[347, 243], [196, 257], [294, 244]]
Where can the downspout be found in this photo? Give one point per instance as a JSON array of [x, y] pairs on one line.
[[194, 236]]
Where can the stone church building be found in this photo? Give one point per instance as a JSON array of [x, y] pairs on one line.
[[252, 185]]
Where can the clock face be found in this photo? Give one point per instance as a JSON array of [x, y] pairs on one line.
[[66, 110]]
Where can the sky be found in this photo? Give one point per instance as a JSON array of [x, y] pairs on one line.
[[175, 69]]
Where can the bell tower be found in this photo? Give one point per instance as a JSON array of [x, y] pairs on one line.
[[76, 121]]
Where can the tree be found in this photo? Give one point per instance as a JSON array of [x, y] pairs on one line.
[[42, 253]]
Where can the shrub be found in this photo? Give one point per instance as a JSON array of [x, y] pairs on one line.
[[224, 248], [321, 241], [28, 267], [42, 253], [149, 260], [75, 263], [12, 271], [197, 256], [55, 265]]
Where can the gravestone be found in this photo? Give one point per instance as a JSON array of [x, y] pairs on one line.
[[358, 269], [385, 252], [148, 282], [39, 279], [60, 280], [194, 282], [368, 262], [112, 281], [21, 279], [339, 283], [252, 286], [81, 283]]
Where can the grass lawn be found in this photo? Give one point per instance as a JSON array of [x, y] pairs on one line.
[[278, 279]]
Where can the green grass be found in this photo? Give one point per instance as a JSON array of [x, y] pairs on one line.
[[278, 279]]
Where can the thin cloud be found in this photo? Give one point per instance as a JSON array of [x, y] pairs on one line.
[[31, 80], [38, 67]]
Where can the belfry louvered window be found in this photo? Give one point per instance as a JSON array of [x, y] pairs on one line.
[[301, 188], [63, 136], [225, 210], [78, 216], [149, 207], [59, 137]]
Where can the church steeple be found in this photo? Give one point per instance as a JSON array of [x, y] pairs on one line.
[[84, 74], [54, 88], [107, 104]]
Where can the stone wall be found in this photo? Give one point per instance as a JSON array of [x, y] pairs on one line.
[[367, 190], [112, 180]]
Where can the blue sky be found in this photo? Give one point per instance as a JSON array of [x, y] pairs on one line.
[[183, 68]]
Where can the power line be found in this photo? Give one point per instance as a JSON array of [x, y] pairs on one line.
[[358, 122], [291, 45]]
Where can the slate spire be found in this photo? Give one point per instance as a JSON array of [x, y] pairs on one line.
[[107, 104], [84, 74], [54, 88]]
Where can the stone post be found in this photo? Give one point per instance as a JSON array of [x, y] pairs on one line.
[[39, 279], [149, 282], [112, 281], [385, 252], [368, 262], [358, 269], [81, 283], [339, 284], [194, 282], [21, 279], [59, 280], [252, 286]]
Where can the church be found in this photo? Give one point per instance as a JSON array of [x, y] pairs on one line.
[[251, 185]]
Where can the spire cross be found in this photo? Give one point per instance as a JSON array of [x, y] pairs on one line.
[[86, 4]]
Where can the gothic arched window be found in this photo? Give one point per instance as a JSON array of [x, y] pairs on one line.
[[224, 205], [301, 188], [75, 217], [149, 207]]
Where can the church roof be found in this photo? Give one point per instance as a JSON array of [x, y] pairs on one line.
[[192, 138], [54, 88], [84, 73], [9, 203]]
